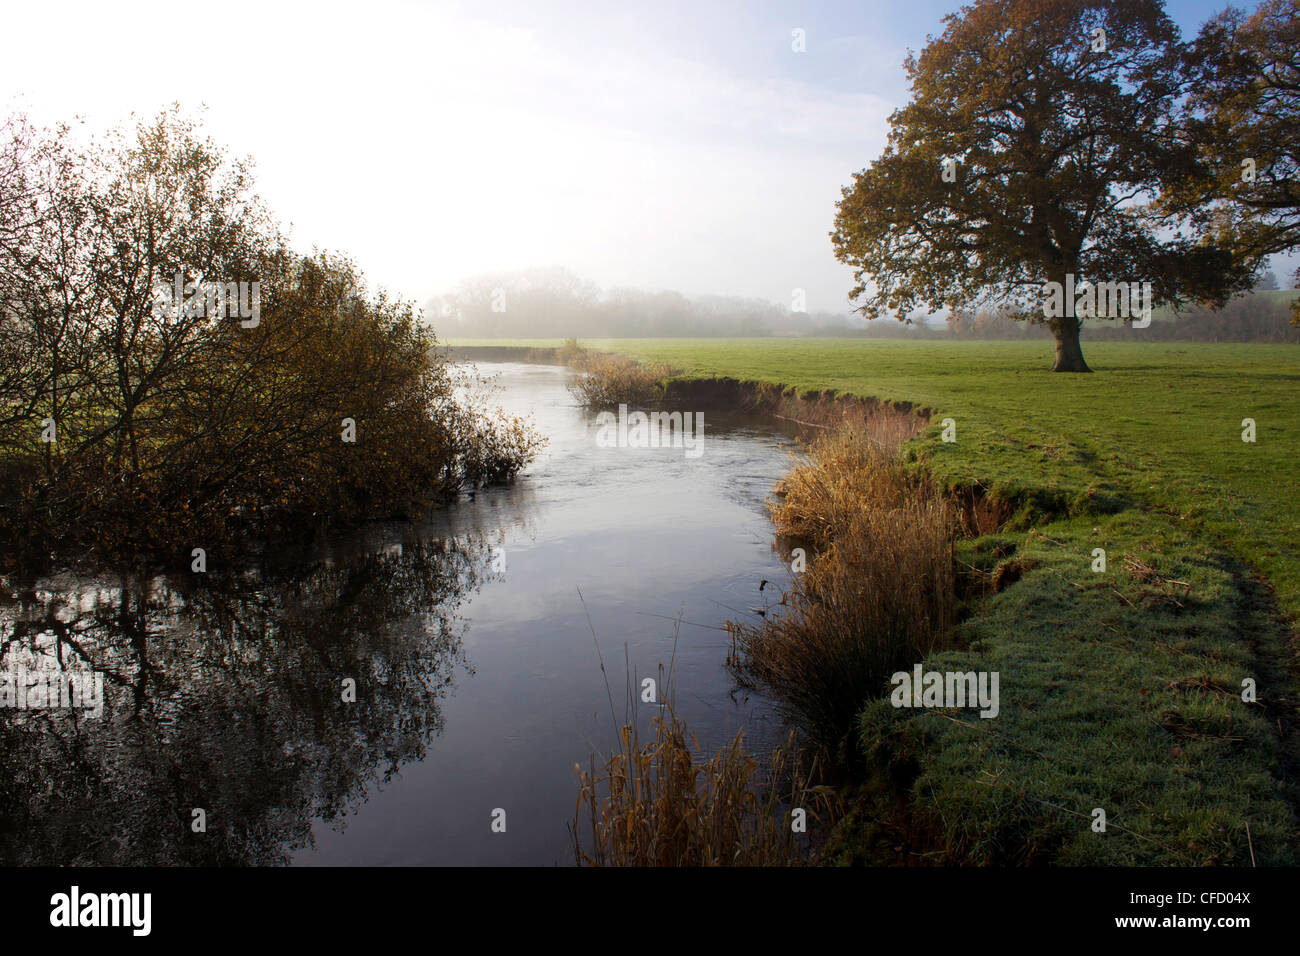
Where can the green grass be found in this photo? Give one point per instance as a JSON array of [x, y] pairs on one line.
[[1119, 690], [1114, 694]]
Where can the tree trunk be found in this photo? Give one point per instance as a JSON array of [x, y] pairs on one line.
[[1069, 356]]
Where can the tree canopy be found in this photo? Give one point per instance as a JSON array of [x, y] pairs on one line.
[[1241, 118], [1037, 137], [275, 390]]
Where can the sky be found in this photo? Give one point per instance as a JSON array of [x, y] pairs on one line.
[[670, 145]]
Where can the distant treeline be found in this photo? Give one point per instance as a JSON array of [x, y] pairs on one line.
[[1252, 317], [555, 303]]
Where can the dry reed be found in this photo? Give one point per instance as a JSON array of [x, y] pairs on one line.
[[654, 804], [878, 592]]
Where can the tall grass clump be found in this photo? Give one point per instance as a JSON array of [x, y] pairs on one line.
[[610, 380], [655, 804], [572, 354], [878, 591]]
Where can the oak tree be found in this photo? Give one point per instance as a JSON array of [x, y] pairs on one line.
[[1242, 114], [1036, 136]]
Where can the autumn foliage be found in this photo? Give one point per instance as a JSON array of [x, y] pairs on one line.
[[130, 429]]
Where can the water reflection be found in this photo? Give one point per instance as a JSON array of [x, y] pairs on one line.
[[238, 711], [224, 691]]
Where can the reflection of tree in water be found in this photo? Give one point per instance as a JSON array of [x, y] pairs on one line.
[[228, 696]]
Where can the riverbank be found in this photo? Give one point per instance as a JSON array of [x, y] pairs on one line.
[[1121, 688]]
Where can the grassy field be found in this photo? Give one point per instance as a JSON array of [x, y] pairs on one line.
[[1121, 689]]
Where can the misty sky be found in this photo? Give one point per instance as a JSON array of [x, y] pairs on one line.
[[667, 145]]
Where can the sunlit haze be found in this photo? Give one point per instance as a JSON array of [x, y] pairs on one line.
[[662, 147]]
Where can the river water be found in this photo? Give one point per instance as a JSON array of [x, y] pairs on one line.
[[478, 683]]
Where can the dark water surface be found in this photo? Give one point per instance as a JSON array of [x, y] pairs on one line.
[[477, 679]]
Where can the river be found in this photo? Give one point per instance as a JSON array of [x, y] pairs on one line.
[[478, 683]]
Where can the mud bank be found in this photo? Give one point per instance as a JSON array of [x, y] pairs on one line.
[[501, 353], [822, 408]]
